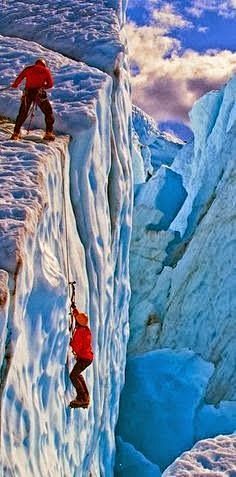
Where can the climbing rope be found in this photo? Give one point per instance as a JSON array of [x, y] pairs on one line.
[[71, 284], [31, 114]]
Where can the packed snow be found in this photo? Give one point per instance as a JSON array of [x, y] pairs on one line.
[[162, 393], [193, 298], [210, 458], [84, 30], [78, 88], [155, 204]]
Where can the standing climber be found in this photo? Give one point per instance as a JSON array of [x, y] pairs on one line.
[[81, 344], [38, 78]]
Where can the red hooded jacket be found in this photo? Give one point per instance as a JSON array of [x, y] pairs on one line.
[[81, 342], [36, 76]]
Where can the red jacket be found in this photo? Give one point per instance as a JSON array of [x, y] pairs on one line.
[[36, 76], [81, 342]]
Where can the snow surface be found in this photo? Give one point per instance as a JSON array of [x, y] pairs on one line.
[[78, 88], [84, 30], [189, 304], [94, 109], [211, 458]]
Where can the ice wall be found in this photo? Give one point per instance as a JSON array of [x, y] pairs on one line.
[[201, 300], [195, 292], [93, 106], [162, 147], [183, 296]]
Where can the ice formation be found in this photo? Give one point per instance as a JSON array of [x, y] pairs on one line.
[[160, 147], [181, 259], [183, 297], [211, 458], [91, 160]]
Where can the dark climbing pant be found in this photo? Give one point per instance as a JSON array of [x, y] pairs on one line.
[[40, 99], [78, 380]]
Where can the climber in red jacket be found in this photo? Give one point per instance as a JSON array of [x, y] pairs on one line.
[[81, 344], [37, 78]]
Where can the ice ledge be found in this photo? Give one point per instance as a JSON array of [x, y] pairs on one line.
[[78, 88], [23, 175]]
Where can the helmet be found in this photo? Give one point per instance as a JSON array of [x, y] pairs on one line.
[[81, 318], [41, 61]]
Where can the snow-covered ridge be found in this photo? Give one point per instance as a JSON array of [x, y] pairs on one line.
[[147, 130], [155, 147]]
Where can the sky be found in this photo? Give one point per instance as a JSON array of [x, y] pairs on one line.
[[179, 50]]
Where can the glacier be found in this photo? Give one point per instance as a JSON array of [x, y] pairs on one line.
[[91, 163], [179, 377], [182, 294]]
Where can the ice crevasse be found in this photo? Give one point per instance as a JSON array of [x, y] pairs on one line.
[[90, 165], [180, 374]]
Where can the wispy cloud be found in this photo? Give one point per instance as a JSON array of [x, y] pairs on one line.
[[167, 18], [170, 80], [225, 8], [202, 29]]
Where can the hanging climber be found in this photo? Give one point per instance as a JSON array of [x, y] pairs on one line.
[[81, 343], [37, 78]]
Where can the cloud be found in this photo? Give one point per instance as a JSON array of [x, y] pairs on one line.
[[225, 8], [202, 29], [170, 80], [160, 13], [167, 18]]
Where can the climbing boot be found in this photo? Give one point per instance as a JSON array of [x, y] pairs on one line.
[[78, 403], [15, 136], [49, 136]]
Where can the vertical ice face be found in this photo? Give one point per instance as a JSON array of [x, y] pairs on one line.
[[93, 107], [203, 254], [201, 301], [162, 146], [34, 326], [184, 299]]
